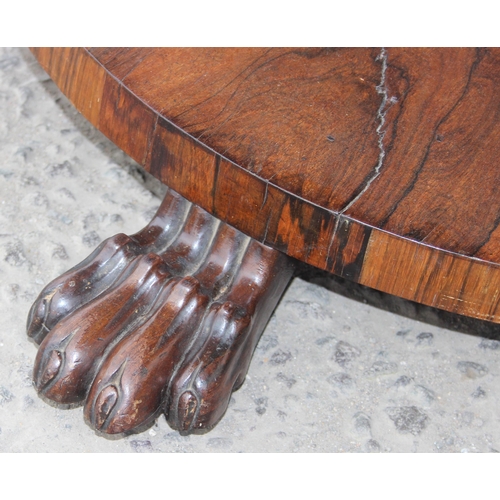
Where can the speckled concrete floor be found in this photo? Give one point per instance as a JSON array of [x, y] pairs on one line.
[[339, 367]]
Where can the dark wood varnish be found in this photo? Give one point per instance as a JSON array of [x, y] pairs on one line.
[[380, 165], [165, 320]]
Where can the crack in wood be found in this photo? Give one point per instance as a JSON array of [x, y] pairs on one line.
[[381, 114]]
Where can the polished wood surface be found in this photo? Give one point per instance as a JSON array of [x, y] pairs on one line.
[[378, 165], [162, 321]]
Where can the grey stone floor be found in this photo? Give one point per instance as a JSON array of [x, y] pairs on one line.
[[340, 368]]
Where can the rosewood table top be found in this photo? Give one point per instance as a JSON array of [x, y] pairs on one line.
[[378, 165]]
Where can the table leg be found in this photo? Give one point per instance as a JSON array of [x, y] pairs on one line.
[[165, 320]]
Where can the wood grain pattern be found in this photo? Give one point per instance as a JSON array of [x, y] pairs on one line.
[[165, 320], [352, 160], [465, 286]]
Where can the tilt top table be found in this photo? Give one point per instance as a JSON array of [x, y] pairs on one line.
[[377, 165]]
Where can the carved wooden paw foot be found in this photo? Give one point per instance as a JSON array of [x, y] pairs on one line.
[[165, 320]]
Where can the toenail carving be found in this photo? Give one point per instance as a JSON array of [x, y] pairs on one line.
[[163, 321], [50, 370], [188, 405], [104, 405]]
